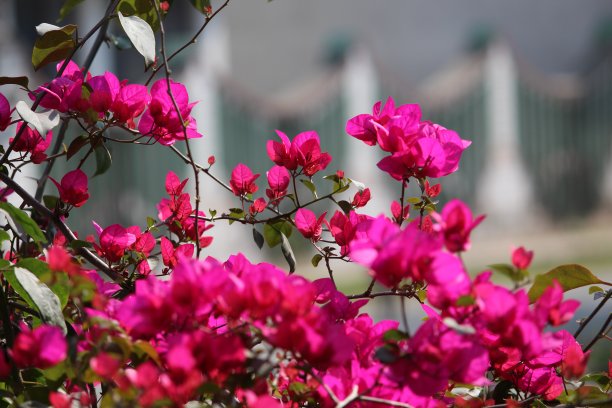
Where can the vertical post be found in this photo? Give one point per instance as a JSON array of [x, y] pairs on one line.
[[505, 188]]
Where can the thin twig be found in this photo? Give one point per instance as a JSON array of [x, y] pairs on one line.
[[586, 321], [600, 333]]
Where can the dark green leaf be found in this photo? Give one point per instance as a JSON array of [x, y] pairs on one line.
[[76, 145], [345, 205], [395, 335], [316, 259], [272, 232], [569, 277], [24, 221], [288, 252], [465, 300], [507, 270], [385, 355], [53, 45], [141, 35], [78, 244], [258, 238], [50, 201], [67, 8], [37, 295], [502, 391], [212, 212], [310, 185], [4, 236], [20, 80], [103, 159], [601, 379]]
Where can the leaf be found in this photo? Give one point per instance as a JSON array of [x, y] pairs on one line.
[[54, 44], [78, 244], [76, 145], [141, 8], [594, 289], [20, 80], [4, 236], [37, 295], [42, 272], [385, 355], [50, 201], [67, 8], [103, 159], [141, 35], [395, 335], [507, 270], [310, 185], [288, 252], [203, 6], [459, 328], [24, 221], [316, 259], [345, 206], [43, 122], [360, 186], [273, 230], [465, 300], [570, 277], [258, 238]]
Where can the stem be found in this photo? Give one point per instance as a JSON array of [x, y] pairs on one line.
[[7, 326], [600, 333], [194, 167], [45, 174], [586, 321]]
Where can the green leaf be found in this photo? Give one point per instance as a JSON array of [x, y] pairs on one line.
[[20, 80], [594, 289], [76, 145], [601, 379], [203, 6], [103, 159], [43, 122], [569, 277], [67, 8], [37, 295], [507, 270], [42, 272], [24, 221], [258, 238], [141, 35], [4, 236], [288, 252], [316, 259], [465, 300], [395, 335], [385, 355], [78, 244], [272, 232], [310, 185], [54, 44], [50, 201], [140, 8], [345, 206]]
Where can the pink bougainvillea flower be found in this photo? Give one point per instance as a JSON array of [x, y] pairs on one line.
[[171, 255], [280, 152], [31, 142], [5, 112], [361, 198], [43, 347], [73, 188], [306, 148], [130, 102], [573, 359], [456, 224], [521, 258], [105, 365], [243, 180], [161, 119], [65, 92], [114, 241], [550, 307], [104, 90], [344, 228], [308, 224], [258, 206], [278, 180]]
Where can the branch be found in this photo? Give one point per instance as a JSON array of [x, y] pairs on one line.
[[44, 211], [600, 333], [586, 321]]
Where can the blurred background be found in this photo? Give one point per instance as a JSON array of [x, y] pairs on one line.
[[530, 83]]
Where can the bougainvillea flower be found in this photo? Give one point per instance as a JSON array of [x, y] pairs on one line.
[[278, 180], [361, 198], [130, 102], [161, 119], [306, 148], [5, 112], [280, 152], [114, 241], [43, 347], [243, 180], [73, 188], [171, 255], [31, 142], [521, 258], [104, 90], [308, 224], [550, 307], [456, 223]]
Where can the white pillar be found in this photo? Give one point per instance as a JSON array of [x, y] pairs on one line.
[[504, 189]]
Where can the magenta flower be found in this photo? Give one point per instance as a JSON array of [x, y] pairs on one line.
[[31, 142], [73, 188], [304, 150], [161, 120], [129, 103], [114, 241], [65, 92], [278, 180], [243, 180], [280, 152], [43, 347], [5, 112], [308, 224], [104, 90], [521, 258], [456, 224]]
